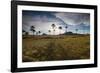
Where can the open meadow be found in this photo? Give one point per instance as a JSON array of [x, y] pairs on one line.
[[55, 47]]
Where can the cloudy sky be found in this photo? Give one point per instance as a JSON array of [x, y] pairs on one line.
[[43, 21]]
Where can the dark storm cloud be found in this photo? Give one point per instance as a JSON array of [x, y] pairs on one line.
[[43, 20], [74, 18]]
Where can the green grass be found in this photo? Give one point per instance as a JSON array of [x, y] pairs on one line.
[[50, 48]]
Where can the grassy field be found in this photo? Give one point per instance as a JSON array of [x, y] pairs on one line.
[[50, 48]]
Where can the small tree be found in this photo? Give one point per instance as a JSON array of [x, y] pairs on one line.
[[60, 28], [76, 30], [53, 27], [49, 31], [26, 33], [32, 28], [39, 32], [66, 28]]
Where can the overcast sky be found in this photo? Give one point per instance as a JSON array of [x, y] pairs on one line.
[[43, 21]]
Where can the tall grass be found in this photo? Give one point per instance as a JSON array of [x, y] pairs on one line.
[[50, 48]]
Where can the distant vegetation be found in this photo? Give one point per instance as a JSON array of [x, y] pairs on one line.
[[32, 29]]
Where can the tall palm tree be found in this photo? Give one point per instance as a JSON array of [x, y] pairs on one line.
[[53, 27], [39, 32], [26, 33], [49, 31], [66, 28], [32, 28], [76, 30], [60, 28]]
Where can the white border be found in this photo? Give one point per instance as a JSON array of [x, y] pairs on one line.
[[53, 63]]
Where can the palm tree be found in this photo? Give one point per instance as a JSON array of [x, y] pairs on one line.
[[76, 30], [53, 27], [39, 32], [26, 33], [32, 28], [49, 31], [60, 28], [66, 28]]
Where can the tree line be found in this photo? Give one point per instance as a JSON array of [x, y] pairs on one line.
[[32, 28]]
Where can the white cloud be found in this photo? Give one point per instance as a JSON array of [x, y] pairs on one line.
[[41, 24]]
